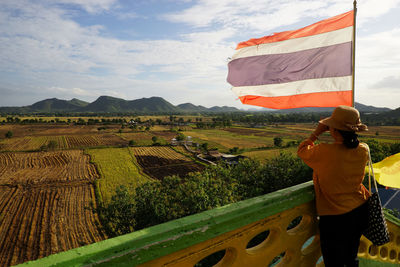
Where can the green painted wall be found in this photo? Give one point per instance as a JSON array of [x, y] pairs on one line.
[[370, 263]]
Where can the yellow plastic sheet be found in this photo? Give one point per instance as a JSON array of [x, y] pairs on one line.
[[387, 171]]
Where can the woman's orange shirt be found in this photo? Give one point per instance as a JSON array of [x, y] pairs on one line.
[[338, 175]]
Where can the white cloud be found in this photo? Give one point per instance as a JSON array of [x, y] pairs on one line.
[[258, 16], [90, 6], [205, 37], [261, 16], [372, 9], [377, 71], [389, 82], [69, 91]]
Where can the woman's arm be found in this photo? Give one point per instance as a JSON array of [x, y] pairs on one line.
[[321, 128], [306, 150]]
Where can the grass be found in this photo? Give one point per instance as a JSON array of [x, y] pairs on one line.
[[225, 140], [142, 138], [263, 155], [117, 167]]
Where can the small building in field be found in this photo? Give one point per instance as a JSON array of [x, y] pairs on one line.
[[231, 159], [174, 142], [189, 141]]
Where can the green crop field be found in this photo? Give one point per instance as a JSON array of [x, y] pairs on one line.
[[263, 155], [117, 167], [224, 139], [142, 138], [244, 137]]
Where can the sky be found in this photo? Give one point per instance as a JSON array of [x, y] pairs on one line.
[[177, 50]]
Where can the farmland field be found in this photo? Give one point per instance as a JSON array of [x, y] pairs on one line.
[[31, 143], [143, 138], [45, 167], [44, 204], [263, 155], [242, 137], [45, 196], [36, 222], [159, 162], [47, 129], [117, 167]]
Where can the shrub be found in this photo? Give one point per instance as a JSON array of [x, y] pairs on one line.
[[118, 216], [132, 142], [379, 151], [9, 134], [278, 141], [174, 197], [52, 145]]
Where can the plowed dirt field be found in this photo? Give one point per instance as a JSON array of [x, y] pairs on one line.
[[44, 204], [159, 162]]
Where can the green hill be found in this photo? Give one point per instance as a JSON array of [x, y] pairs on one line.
[[189, 107], [78, 102], [145, 105], [106, 104], [56, 105]]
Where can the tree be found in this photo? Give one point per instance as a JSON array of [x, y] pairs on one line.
[[119, 213], [180, 137], [379, 151], [52, 145], [132, 142], [154, 139], [204, 146], [81, 121], [9, 134], [234, 150], [278, 141]]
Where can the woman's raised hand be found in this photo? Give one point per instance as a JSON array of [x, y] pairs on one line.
[[320, 129]]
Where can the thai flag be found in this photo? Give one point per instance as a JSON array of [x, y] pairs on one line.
[[308, 67]]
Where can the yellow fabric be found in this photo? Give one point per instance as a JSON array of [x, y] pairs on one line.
[[338, 175], [387, 171]]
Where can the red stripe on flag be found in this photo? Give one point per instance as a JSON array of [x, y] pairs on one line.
[[325, 99], [327, 25]]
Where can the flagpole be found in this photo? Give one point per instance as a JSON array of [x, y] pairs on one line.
[[354, 52]]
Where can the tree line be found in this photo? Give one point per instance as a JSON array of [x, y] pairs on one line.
[[173, 197]]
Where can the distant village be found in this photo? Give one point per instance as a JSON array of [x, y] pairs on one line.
[[212, 156]]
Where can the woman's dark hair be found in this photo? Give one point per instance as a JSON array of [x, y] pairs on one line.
[[350, 139]]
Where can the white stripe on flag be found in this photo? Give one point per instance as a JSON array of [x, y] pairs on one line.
[[298, 87], [298, 44]]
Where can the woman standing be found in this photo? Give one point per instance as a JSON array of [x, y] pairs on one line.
[[338, 172]]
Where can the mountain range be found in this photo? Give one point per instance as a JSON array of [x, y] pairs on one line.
[[108, 104]]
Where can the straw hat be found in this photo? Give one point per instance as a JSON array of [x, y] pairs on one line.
[[345, 118]]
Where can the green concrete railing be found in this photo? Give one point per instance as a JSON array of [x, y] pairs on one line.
[[158, 241]]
